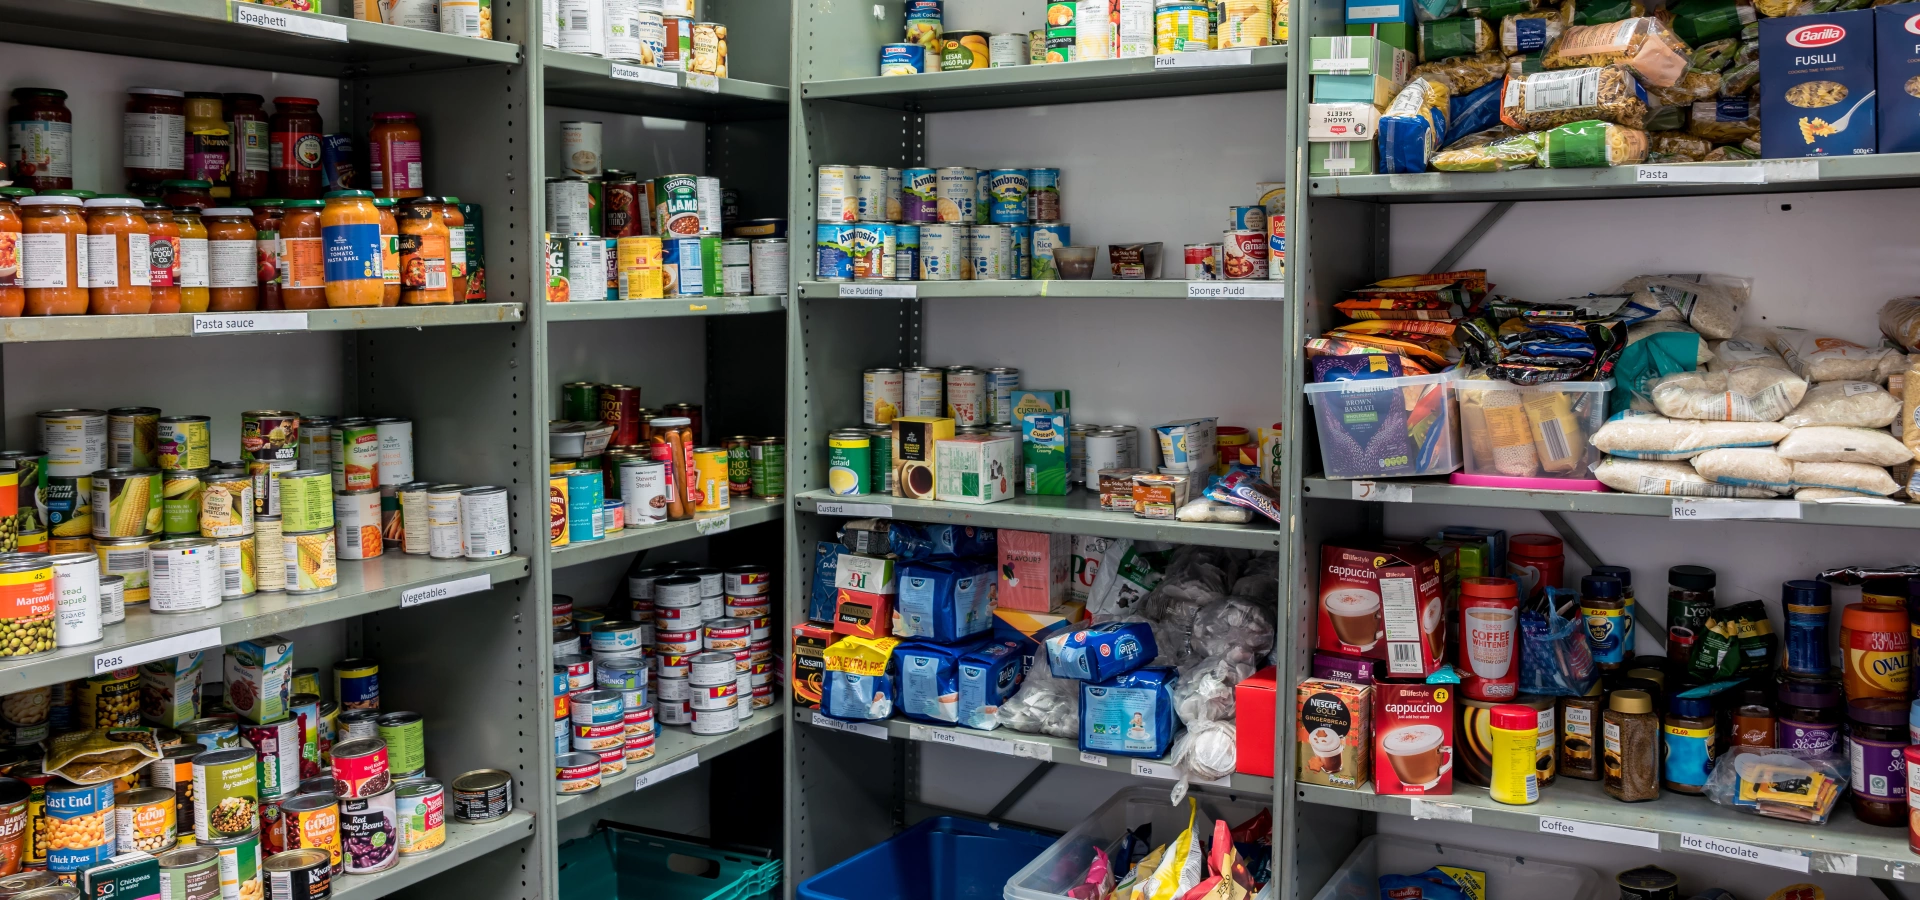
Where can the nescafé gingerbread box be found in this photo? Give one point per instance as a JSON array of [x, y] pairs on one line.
[[1817, 85]]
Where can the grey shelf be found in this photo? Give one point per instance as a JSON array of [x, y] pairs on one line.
[[464, 843], [1440, 493], [203, 31], [1036, 747], [587, 82], [1844, 845], [101, 328], [671, 744], [1076, 513], [1843, 173], [1099, 289], [656, 309], [365, 586], [633, 540], [1087, 81]]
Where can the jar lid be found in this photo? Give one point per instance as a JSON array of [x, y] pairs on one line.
[[187, 183], [1861, 617], [1514, 717], [1647, 878], [1630, 702], [1878, 711], [1491, 588], [266, 202], [227, 211], [1602, 587], [1535, 545], [671, 421], [1808, 696], [1753, 696], [1621, 572], [157, 92], [451, 200], [428, 200], [1645, 673], [1691, 578], [381, 201], [16, 191], [39, 92], [188, 211], [205, 95], [1806, 593], [1689, 707], [393, 117], [50, 200], [244, 98], [297, 101], [332, 194], [306, 204], [70, 192], [111, 202]]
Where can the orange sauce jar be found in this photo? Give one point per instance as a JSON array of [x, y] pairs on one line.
[[354, 250], [389, 250], [303, 273], [194, 294], [13, 296], [53, 255], [423, 253], [394, 156], [233, 260], [163, 250], [456, 246], [119, 275]]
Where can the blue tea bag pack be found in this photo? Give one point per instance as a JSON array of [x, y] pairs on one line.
[[989, 674], [820, 598], [947, 601], [1101, 652], [962, 540], [929, 681], [1131, 715]]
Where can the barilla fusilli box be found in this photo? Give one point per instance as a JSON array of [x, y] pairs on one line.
[[1817, 85], [1896, 38]]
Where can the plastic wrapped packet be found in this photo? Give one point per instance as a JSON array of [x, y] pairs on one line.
[[1714, 56], [1656, 437], [1676, 146], [1530, 32], [1472, 112], [1673, 479], [1411, 128], [1691, 87], [1448, 38], [1900, 320], [93, 757], [1737, 81], [1495, 10], [1429, 10], [1819, 357], [1644, 44], [1206, 752], [1234, 629], [1757, 467], [1467, 73], [1860, 478], [1494, 150], [1857, 404], [1592, 144], [1555, 660], [1549, 99], [1205, 690], [1841, 443], [1700, 22], [1044, 705], [1725, 120], [1749, 394], [1204, 510], [1709, 308], [1730, 153], [1741, 351], [1599, 12], [1640, 331], [1777, 783]]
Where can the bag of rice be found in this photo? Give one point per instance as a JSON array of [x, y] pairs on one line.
[[1838, 444], [1748, 348], [1829, 495], [1900, 320], [1820, 357], [1746, 467], [1856, 404], [1635, 435], [1709, 309], [1639, 476], [1641, 330], [1747, 394], [1857, 477]]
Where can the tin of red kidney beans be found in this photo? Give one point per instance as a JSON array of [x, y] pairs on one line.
[[748, 580], [728, 634], [577, 773], [360, 771], [369, 833], [483, 795]]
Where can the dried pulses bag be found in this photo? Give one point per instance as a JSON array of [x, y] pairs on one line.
[[1839, 444], [1676, 479], [1545, 100], [1750, 394], [1857, 404], [1644, 44]]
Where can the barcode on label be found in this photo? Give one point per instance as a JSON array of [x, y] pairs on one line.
[[230, 581], [1401, 653], [476, 539], [1555, 439], [159, 564]]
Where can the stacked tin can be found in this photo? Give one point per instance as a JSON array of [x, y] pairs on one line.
[[651, 238], [749, 598], [657, 33], [880, 224]]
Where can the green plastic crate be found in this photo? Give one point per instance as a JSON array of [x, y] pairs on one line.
[[615, 863]]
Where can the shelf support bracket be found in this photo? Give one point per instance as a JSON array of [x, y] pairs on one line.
[[1641, 616], [1000, 810], [1888, 889], [1473, 236]]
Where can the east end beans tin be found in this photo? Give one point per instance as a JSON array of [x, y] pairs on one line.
[[184, 442], [420, 812], [226, 789], [126, 502], [306, 500], [310, 561], [369, 829], [833, 252]]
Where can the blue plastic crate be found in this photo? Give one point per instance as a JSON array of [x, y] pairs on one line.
[[943, 858], [618, 864]]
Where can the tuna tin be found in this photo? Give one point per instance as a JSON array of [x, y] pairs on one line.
[[75, 441], [728, 634], [309, 561], [226, 790], [721, 720], [406, 738], [617, 638], [360, 768], [420, 808], [190, 873], [574, 673], [724, 695], [483, 514], [297, 875], [182, 442], [144, 820], [482, 796], [596, 738], [369, 829], [184, 575], [747, 580], [710, 668], [1007, 189], [596, 707], [577, 773]]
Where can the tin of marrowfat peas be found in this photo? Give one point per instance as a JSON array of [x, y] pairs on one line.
[[310, 561], [420, 808], [278, 747], [369, 833], [356, 516], [226, 790], [180, 501], [577, 773], [297, 875], [482, 796], [483, 517], [306, 500], [126, 502], [212, 733], [360, 768], [143, 820], [184, 575], [184, 442], [238, 563], [190, 873], [404, 733]]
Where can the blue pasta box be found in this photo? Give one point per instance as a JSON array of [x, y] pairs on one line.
[[1896, 39], [1817, 85]]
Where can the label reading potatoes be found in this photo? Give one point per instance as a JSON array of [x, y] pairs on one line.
[[240, 323], [1235, 290], [880, 291], [469, 585], [643, 74], [177, 645], [280, 20], [1204, 59]]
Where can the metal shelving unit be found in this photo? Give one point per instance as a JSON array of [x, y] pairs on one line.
[[1091, 289], [654, 309], [1440, 493], [1076, 513], [1840, 173], [745, 512], [465, 843], [98, 328], [1085, 81], [675, 750]]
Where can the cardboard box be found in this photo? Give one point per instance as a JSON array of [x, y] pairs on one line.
[[1084, 551], [259, 676], [809, 672], [1033, 570], [1412, 738], [1043, 448], [1358, 56], [1029, 630], [133, 875], [976, 468], [170, 689], [1371, 11], [1254, 705], [1332, 720], [914, 468], [1345, 667], [1040, 401], [864, 588], [820, 593], [1384, 604], [1342, 122], [1160, 496], [1354, 89], [1326, 159], [1394, 34], [1189, 447], [1116, 488], [1798, 53], [1494, 539], [1896, 59]]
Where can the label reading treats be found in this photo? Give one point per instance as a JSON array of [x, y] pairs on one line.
[[1690, 509], [880, 291], [152, 650], [643, 74], [1698, 174], [1027, 749], [1235, 290], [1093, 759], [656, 775], [289, 23], [1746, 852], [469, 585], [1206, 59], [855, 510], [240, 323], [1611, 834], [877, 732]]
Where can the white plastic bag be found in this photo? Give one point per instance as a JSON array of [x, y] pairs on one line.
[[1678, 479], [1745, 394], [1819, 357], [1837, 444], [1857, 404], [1649, 436]]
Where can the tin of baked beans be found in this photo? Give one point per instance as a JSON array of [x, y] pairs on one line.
[[356, 516], [212, 733], [181, 442], [75, 440], [309, 561], [357, 725], [405, 735], [354, 460], [577, 773], [369, 832], [306, 500], [226, 790], [277, 753], [144, 820], [360, 768], [728, 634], [482, 796], [126, 502], [1245, 255], [483, 517], [305, 874], [190, 873], [316, 442], [834, 197], [269, 555], [420, 806], [184, 575]]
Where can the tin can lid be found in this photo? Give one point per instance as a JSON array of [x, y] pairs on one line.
[[295, 860], [417, 787], [187, 856], [482, 779]]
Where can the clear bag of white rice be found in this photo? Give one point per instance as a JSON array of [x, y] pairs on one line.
[[1635, 435], [1677, 479], [1745, 394]]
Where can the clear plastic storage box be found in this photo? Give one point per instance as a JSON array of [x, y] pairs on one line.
[[1064, 864], [1530, 436], [1507, 876], [1387, 427]]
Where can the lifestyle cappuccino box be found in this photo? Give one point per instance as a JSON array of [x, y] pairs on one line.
[[1384, 604], [1412, 738], [1331, 724]]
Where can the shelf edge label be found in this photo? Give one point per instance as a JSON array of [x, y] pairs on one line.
[[679, 766], [1698, 174], [642, 74], [1204, 59], [1442, 812], [242, 323], [1593, 831], [1236, 290], [471, 584], [1150, 769], [855, 510], [1002, 746], [877, 732], [719, 524], [1780, 859], [153, 650], [697, 81], [1690, 509], [1093, 759], [881, 291], [280, 20], [1382, 492], [737, 305]]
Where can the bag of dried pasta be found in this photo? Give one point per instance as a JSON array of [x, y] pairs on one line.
[[1592, 144], [1472, 113], [1548, 99], [1467, 73], [1713, 57], [1494, 150], [1526, 63], [1448, 38], [1495, 10], [1676, 147], [1530, 32], [1412, 126], [1599, 12], [1692, 86], [1724, 121], [1702, 21], [1650, 48], [1737, 81], [1729, 153]]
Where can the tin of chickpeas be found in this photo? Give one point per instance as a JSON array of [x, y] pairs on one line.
[[77, 821]]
